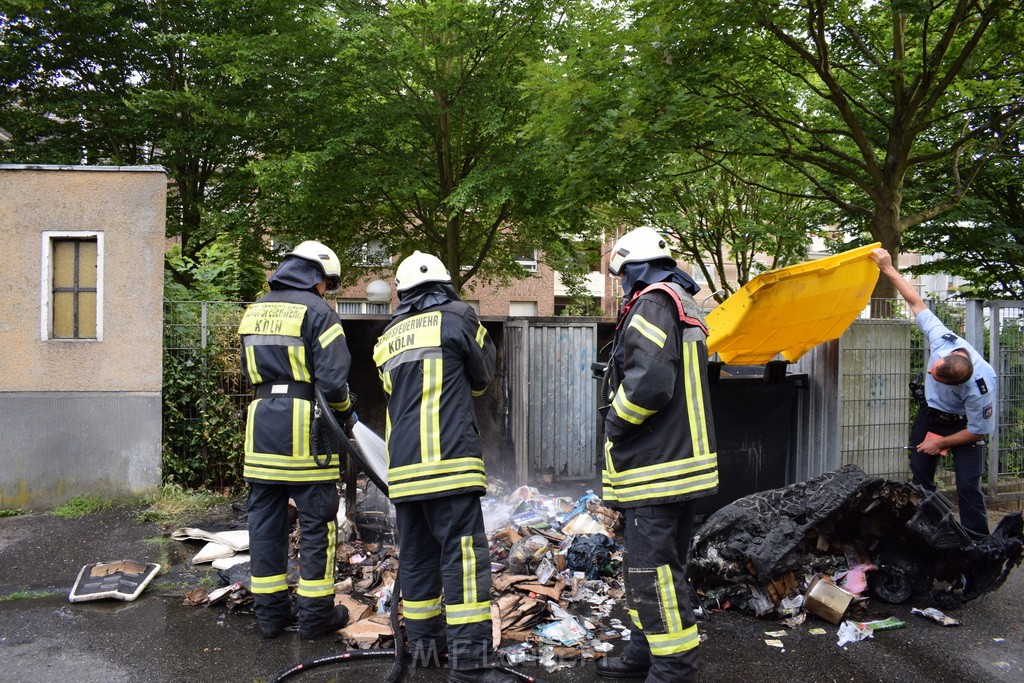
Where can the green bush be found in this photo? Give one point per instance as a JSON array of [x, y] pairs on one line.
[[203, 425]]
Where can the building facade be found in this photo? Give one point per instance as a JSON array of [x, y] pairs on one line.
[[81, 329]]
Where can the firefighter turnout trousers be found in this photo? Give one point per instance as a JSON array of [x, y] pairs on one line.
[[665, 630], [269, 528], [444, 557]]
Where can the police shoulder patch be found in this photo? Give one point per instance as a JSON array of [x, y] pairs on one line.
[[950, 337], [982, 386], [987, 413]]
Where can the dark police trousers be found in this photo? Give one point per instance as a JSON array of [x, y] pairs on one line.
[[444, 555], [968, 464], [664, 629], [269, 528]]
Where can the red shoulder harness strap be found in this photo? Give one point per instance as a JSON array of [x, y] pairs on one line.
[[672, 292]]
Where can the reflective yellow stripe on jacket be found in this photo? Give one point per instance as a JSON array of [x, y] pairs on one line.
[[682, 476], [436, 477], [299, 467]]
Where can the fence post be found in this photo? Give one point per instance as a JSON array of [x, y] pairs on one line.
[[995, 325], [203, 325], [974, 323]]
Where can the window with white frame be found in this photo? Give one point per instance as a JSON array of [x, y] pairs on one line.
[[358, 307], [373, 254], [522, 308], [349, 306], [72, 285], [528, 261], [698, 274]]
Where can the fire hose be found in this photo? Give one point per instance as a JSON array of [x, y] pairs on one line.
[[328, 436]]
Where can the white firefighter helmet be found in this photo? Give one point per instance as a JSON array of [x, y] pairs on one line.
[[641, 244], [328, 260], [418, 268]]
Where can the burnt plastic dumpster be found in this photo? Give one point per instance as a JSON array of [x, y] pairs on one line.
[[755, 411]]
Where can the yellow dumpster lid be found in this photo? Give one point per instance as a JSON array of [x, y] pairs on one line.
[[792, 309]]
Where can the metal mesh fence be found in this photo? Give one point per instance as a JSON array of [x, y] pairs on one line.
[[190, 326], [881, 356], [878, 360], [1009, 347], [206, 396]]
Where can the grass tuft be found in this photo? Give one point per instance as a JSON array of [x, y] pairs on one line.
[[27, 595], [80, 506], [174, 501]]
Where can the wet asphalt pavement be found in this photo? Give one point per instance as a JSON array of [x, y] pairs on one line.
[[44, 637]]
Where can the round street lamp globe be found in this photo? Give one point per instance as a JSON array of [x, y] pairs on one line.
[[378, 292]]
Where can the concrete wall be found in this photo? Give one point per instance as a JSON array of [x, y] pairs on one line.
[[81, 416]]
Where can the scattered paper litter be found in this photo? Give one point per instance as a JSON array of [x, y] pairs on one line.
[[851, 632], [936, 616]]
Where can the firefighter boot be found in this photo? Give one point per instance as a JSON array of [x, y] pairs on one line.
[[334, 622], [622, 667]]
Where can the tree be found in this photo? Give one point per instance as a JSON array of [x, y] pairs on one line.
[[723, 213], [425, 151], [982, 239], [861, 98], [632, 136], [201, 87]]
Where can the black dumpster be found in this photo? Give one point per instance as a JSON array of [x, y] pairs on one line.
[[755, 410]]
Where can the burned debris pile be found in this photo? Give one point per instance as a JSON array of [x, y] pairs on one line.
[[781, 552], [555, 568], [555, 565]]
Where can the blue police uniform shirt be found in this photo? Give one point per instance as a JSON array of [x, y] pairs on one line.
[[976, 397]]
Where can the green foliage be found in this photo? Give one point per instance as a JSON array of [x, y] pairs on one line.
[[863, 100], [574, 261], [218, 273], [982, 239], [419, 142], [81, 506], [11, 512], [481, 130], [199, 87], [628, 113], [203, 428], [725, 214]]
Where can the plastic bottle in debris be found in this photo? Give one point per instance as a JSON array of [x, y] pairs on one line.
[[526, 554]]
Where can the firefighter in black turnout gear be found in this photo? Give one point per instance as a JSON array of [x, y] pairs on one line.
[[433, 358], [291, 339], [659, 452]]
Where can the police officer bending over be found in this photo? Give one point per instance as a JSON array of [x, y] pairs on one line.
[[292, 338], [960, 389], [433, 358]]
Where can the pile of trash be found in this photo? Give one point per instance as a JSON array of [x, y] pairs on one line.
[[556, 572], [827, 545]]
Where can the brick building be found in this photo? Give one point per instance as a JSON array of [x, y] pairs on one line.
[[539, 294]]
